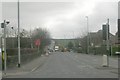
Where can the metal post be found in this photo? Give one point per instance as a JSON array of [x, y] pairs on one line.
[[87, 36], [4, 46], [107, 41], [19, 61], [106, 57]]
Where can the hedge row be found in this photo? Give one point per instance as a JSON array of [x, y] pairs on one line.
[[14, 51], [27, 54], [12, 61], [97, 50]]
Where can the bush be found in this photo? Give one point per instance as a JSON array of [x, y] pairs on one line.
[[114, 49], [12, 52], [27, 55]]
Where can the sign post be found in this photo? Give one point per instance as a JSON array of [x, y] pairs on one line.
[[106, 43]]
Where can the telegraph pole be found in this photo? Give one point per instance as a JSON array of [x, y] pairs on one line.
[[19, 56]]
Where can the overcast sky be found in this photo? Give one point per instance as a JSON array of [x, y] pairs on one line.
[[63, 19]]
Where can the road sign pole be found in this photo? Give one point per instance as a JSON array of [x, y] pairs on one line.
[[107, 42]]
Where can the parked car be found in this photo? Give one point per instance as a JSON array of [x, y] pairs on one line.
[[118, 53]]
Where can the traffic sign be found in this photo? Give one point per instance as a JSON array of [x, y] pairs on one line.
[[105, 29], [37, 42], [2, 25]]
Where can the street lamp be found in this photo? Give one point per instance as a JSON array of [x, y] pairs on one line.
[[19, 56], [87, 36], [4, 25]]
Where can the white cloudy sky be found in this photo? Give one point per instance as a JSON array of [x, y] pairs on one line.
[[65, 19]]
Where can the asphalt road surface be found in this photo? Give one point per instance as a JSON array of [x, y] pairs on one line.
[[73, 65]]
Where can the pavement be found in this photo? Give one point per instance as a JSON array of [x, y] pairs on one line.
[[26, 68], [70, 65]]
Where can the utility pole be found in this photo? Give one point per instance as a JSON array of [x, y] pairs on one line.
[[87, 35], [19, 56]]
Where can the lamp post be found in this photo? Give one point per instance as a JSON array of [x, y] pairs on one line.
[[87, 35], [19, 56]]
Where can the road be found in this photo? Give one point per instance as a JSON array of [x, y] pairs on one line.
[[73, 65]]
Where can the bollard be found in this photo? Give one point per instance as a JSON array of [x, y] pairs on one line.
[[105, 61]]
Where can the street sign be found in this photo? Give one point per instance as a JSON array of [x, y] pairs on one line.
[[105, 29], [104, 32], [2, 25], [37, 42]]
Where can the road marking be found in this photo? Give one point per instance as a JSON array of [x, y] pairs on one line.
[[34, 68], [12, 74], [85, 66]]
